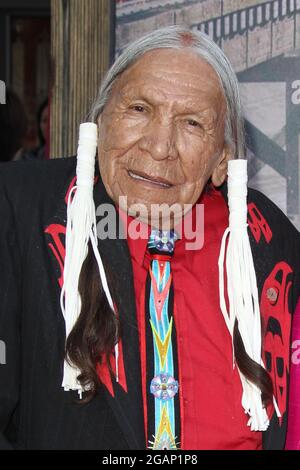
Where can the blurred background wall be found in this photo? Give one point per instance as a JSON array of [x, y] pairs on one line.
[[25, 56], [82, 37], [53, 55]]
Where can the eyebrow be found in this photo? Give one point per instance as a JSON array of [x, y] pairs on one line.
[[188, 107]]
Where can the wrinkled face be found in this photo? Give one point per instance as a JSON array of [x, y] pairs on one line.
[[161, 134]]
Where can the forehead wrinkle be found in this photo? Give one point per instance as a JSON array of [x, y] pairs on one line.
[[190, 79], [153, 65], [137, 91], [157, 97], [175, 78]]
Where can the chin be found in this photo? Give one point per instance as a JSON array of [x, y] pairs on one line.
[[163, 219]]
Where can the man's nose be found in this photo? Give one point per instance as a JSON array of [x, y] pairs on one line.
[[160, 141]]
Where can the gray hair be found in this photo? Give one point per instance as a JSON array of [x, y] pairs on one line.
[[181, 37]]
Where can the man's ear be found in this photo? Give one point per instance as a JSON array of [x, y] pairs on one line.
[[220, 171]]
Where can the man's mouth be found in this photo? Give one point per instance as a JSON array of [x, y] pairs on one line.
[[155, 180]]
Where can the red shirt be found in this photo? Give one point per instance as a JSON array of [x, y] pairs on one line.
[[210, 390]]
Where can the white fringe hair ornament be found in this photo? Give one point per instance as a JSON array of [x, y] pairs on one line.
[[81, 227], [242, 289]]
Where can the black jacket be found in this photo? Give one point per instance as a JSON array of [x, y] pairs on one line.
[[35, 412]]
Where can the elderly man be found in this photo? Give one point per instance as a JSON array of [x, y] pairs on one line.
[[156, 344]]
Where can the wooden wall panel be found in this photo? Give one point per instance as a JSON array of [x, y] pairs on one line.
[[82, 41]]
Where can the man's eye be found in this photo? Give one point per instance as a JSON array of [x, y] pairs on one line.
[[192, 122], [137, 107]]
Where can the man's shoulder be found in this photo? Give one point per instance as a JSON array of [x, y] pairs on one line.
[[37, 172], [275, 241], [264, 211], [25, 180]]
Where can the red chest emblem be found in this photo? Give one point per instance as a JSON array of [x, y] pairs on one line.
[[258, 224], [275, 312]]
